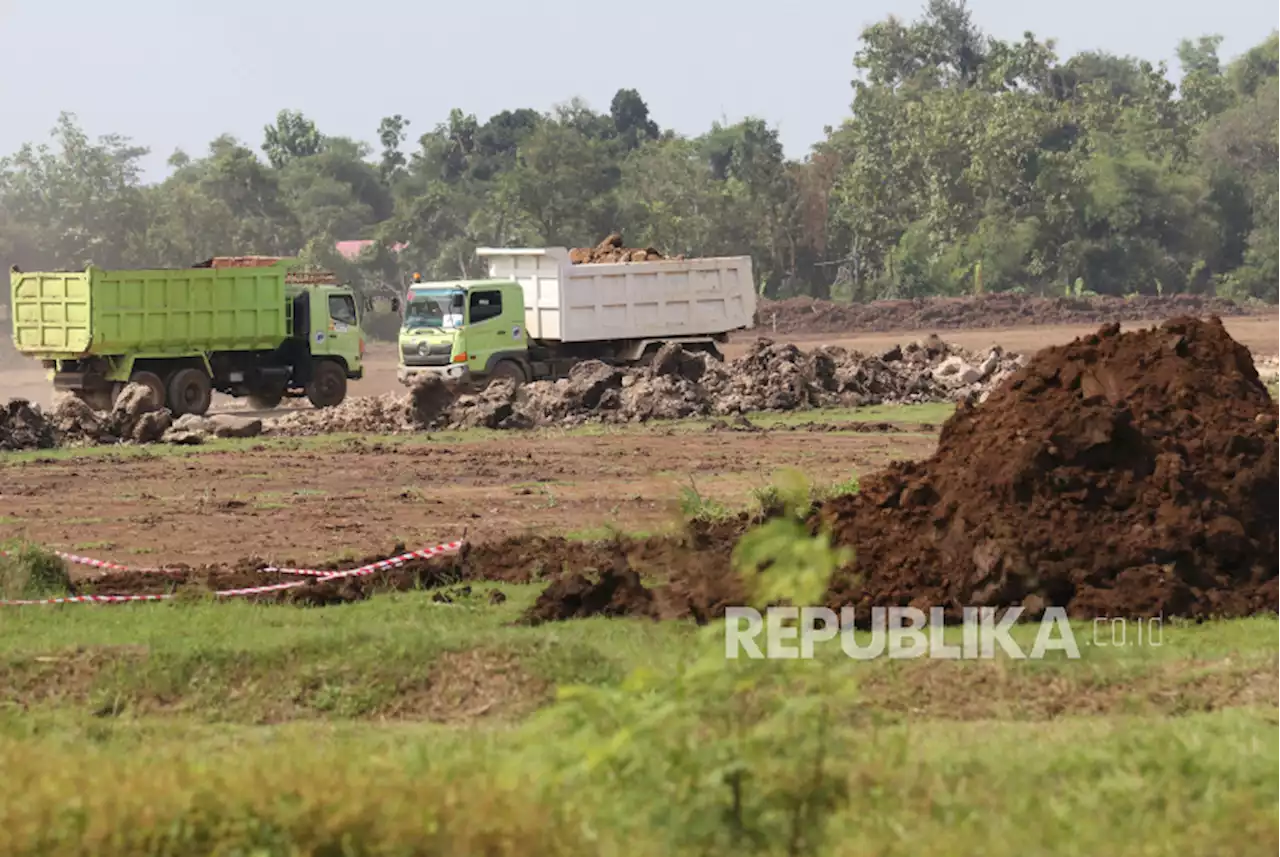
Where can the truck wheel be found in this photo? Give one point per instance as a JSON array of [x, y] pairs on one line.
[[266, 398], [508, 369], [99, 400], [152, 380], [190, 392], [328, 385]]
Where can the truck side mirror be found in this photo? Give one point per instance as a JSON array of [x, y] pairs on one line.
[[395, 305]]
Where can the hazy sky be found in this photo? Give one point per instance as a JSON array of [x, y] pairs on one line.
[[175, 74]]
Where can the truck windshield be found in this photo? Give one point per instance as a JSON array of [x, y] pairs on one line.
[[442, 309]]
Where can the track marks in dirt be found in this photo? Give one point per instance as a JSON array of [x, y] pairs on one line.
[[309, 505]]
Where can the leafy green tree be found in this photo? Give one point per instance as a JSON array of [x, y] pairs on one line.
[[966, 163], [631, 119], [72, 203], [392, 134], [292, 136]]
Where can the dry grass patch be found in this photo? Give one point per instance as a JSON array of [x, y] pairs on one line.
[[947, 690], [463, 687]]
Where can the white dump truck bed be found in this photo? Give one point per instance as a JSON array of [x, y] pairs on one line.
[[633, 300]]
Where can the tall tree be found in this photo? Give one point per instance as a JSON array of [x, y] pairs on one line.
[[292, 136]]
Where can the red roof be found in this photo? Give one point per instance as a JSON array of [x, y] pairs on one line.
[[352, 249]]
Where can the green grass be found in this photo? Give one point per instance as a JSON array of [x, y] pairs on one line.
[[399, 726], [27, 571]]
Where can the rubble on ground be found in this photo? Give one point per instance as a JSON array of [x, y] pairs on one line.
[[24, 426], [135, 417], [384, 414], [771, 377], [677, 384]]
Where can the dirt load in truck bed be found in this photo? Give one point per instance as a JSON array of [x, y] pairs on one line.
[[611, 250]]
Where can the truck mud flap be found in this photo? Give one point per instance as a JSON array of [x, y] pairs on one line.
[[80, 382]]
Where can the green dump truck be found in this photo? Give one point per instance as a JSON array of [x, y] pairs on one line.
[[540, 313], [250, 326]]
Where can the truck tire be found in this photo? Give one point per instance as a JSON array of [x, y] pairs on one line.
[[99, 400], [266, 398], [152, 380], [508, 369], [328, 386], [190, 392]]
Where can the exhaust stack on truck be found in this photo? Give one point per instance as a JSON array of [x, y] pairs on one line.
[[538, 314], [245, 326]]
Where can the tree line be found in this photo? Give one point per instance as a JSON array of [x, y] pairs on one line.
[[967, 164]]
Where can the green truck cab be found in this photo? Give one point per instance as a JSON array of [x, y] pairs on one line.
[[467, 330], [244, 326]]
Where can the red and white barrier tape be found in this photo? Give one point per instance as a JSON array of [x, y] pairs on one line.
[[87, 599], [380, 565], [320, 577]]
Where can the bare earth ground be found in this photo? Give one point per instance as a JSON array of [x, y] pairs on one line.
[[318, 501], [304, 502]]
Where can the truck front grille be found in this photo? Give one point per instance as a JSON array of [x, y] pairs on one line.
[[437, 355]]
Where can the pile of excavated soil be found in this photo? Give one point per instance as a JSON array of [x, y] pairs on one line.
[[1122, 475], [616, 592], [384, 414], [807, 315], [611, 250]]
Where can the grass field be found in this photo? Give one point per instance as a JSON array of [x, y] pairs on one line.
[[402, 726]]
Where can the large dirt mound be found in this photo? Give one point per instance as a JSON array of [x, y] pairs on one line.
[[806, 315], [1121, 475]]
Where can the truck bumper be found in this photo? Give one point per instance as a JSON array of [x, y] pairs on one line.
[[453, 372]]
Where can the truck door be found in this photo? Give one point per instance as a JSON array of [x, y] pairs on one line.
[[336, 331], [487, 330]]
